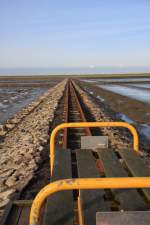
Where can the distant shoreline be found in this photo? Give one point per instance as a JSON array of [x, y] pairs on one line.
[[58, 76], [72, 71]]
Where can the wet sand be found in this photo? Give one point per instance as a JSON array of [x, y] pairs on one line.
[[134, 109], [12, 100], [122, 108], [18, 92]]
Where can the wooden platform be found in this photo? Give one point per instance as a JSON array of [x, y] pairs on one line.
[[115, 164], [92, 200], [17, 213], [61, 208], [113, 168]]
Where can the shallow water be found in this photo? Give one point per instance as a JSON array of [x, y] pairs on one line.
[[143, 129], [100, 98], [89, 80], [141, 85], [115, 80], [12, 100], [124, 118], [129, 80], [141, 95]]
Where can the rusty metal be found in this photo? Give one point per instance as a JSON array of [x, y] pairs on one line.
[[87, 129], [84, 183], [71, 96], [90, 124], [71, 90], [66, 109]]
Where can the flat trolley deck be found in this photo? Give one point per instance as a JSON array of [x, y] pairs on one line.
[[121, 201], [93, 201], [116, 180]]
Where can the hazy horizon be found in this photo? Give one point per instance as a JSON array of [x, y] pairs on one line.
[[70, 71]]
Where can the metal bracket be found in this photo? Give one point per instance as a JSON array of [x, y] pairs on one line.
[[123, 218], [94, 142]]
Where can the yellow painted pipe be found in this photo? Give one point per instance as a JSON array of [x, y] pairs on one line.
[[80, 210], [88, 183], [90, 124]]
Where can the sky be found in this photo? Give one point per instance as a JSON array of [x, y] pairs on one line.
[[74, 33]]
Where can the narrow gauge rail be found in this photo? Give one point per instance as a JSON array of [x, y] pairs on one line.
[[73, 112], [80, 206]]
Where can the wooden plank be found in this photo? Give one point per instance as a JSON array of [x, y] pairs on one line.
[[6, 213], [24, 217], [13, 216], [123, 218], [136, 166], [14, 213], [92, 200], [129, 198], [59, 206]]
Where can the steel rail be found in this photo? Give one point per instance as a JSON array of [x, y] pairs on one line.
[[66, 111], [71, 96], [70, 89], [87, 129]]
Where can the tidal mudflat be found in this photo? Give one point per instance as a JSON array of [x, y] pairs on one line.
[[13, 100]]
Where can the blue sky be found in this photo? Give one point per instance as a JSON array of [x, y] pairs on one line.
[[74, 33]]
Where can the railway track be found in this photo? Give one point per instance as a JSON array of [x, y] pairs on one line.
[[75, 110], [72, 111], [71, 162]]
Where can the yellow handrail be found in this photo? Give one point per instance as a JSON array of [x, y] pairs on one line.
[[88, 183], [90, 124]]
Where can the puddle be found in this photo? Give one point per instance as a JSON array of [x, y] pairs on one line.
[[143, 129], [100, 98], [13, 98], [3, 106], [5, 101], [91, 92], [140, 95], [124, 118]]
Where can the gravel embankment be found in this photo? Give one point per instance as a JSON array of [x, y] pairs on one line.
[[117, 140], [21, 147], [136, 110]]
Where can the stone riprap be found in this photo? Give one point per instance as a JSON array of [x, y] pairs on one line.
[[21, 147]]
